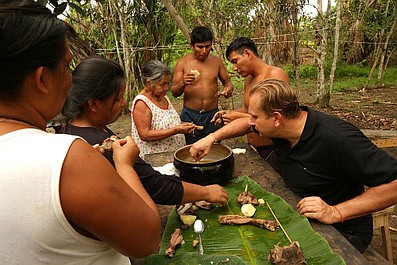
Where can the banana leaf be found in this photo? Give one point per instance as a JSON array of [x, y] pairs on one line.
[[251, 244]]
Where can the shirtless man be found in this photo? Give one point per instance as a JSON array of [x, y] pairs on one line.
[[243, 54], [196, 76]]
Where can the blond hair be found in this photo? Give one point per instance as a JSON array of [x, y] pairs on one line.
[[276, 96]]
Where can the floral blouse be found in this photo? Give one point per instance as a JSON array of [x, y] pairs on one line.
[[161, 119]]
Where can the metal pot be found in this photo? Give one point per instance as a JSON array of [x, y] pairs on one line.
[[216, 168]]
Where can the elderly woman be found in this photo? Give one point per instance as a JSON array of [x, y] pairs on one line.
[[96, 100], [61, 201], [156, 126]]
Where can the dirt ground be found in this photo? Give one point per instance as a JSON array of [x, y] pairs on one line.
[[374, 109]]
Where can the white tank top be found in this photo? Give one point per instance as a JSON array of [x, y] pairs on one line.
[[33, 227], [161, 119]]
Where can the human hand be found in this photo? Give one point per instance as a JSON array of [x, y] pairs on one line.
[[227, 92], [189, 79], [185, 127], [217, 194], [125, 151], [202, 147], [99, 148], [315, 208], [227, 116]]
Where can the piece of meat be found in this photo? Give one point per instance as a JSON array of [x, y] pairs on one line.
[[288, 255], [195, 242], [204, 205], [107, 143], [176, 239], [231, 219], [247, 197]]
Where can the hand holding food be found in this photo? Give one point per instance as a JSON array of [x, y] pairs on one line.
[[195, 72], [217, 194], [125, 151], [185, 127], [189, 78]]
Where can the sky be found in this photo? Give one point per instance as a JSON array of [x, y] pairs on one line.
[[311, 10]]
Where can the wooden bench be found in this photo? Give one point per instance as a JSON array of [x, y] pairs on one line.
[[381, 220]]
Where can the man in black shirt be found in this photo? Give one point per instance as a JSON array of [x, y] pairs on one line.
[[323, 159]]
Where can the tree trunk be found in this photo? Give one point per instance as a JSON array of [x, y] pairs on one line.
[[177, 18], [382, 67], [322, 26], [295, 60], [336, 45]]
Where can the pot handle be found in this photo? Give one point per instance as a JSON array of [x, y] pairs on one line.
[[204, 169]]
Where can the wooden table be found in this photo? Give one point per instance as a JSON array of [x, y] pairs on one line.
[[270, 180]]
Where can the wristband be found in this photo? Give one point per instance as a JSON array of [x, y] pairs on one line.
[[340, 214], [213, 136]]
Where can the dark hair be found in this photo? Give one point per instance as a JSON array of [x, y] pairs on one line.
[[200, 34], [154, 71], [30, 37], [240, 44], [93, 78]]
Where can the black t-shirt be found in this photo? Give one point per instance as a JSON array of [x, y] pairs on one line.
[[163, 189], [333, 159]]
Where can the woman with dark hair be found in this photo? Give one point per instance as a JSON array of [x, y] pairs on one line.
[[96, 100], [61, 202]]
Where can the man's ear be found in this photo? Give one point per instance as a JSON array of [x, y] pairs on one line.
[[248, 53], [278, 118], [40, 79]]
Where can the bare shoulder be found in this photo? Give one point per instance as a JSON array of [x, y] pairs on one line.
[[278, 73]]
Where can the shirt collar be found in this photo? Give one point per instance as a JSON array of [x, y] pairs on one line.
[[310, 124]]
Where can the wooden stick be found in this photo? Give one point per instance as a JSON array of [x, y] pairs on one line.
[[275, 217], [246, 187]]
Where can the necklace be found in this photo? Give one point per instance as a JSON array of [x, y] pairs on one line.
[[9, 119]]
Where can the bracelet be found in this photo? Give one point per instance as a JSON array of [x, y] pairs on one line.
[[215, 140], [340, 214]]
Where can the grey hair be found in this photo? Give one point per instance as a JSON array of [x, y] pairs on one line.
[[154, 71]]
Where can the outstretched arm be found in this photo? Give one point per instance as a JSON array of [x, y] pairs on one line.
[[212, 193], [236, 128], [372, 200]]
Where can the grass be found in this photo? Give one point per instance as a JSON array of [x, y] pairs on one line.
[[346, 76]]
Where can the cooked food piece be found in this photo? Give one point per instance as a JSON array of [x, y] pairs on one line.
[[187, 208], [288, 255], [176, 239], [261, 201], [187, 219], [247, 197], [219, 121], [107, 144], [204, 205], [248, 210], [241, 220], [195, 72], [198, 127], [195, 242]]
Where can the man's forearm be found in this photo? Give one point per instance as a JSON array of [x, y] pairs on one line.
[[178, 88], [235, 128], [372, 200]]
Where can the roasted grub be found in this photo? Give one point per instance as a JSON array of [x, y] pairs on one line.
[[288, 255], [247, 197], [107, 143], [187, 208], [176, 239], [231, 219], [195, 242], [204, 205]]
